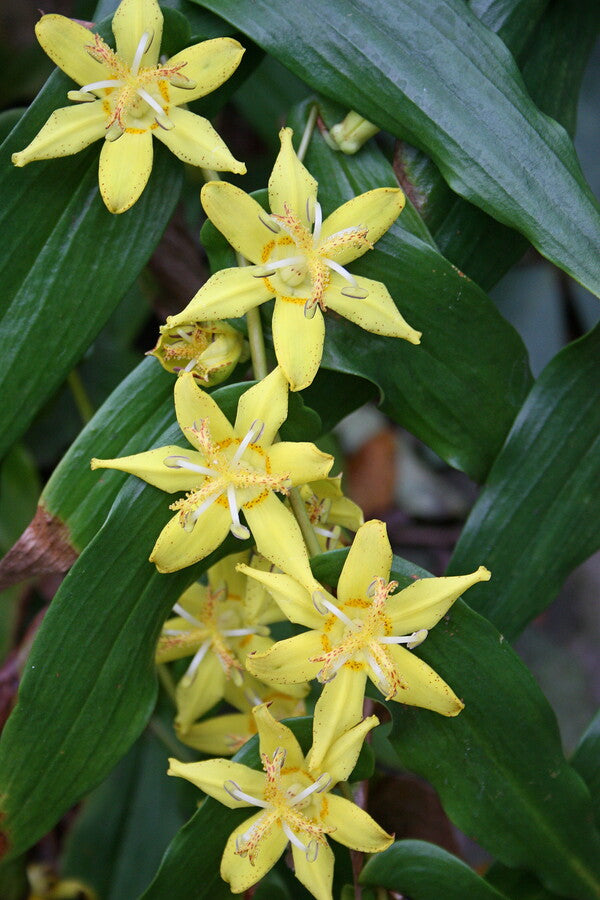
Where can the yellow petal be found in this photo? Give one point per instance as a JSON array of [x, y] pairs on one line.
[[225, 572], [370, 557], [316, 876], [67, 131], [229, 293], [346, 513], [375, 210], [237, 870], [273, 734], [65, 40], [125, 166], [303, 460], [338, 709], [195, 141], [424, 687], [287, 662], [354, 827], [341, 757], [238, 216], [220, 736], [131, 20], [209, 64], [293, 599], [277, 536], [265, 402], [150, 466], [422, 604], [298, 342], [175, 548], [193, 404], [206, 688], [211, 775], [376, 313], [290, 182]]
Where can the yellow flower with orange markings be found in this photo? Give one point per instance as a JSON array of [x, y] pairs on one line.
[[230, 470], [126, 96], [368, 631], [296, 806], [299, 259]]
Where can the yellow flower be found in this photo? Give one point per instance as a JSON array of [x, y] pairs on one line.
[[299, 259], [295, 806], [231, 469], [360, 634], [215, 627], [127, 95], [223, 735], [209, 350], [329, 511]]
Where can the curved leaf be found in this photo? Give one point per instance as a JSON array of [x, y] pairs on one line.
[[537, 516], [586, 760], [426, 872], [435, 76]]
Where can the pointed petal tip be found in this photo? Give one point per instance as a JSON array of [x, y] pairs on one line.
[[484, 574], [19, 159]]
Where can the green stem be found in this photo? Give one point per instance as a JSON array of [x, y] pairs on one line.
[[82, 401], [210, 175], [308, 130], [166, 738], [166, 680]]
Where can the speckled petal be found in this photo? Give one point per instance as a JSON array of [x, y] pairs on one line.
[[125, 167], [288, 662], [209, 64], [211, 775], [293, 599], [266, 402], [354, 827], [290, 182], [273, 734], [206, 689], [229, 293], [175, 548], [195, 141], [424, 687], [302, 459], [237, 870], [375, 210], [422, 604], [298, 342], [316, 876], [67, 131], [131, 20], [150, 466], [370, 557], [376, 313], [65, 40], [338, 709], [193, 404], [238, 216], [277, 536]]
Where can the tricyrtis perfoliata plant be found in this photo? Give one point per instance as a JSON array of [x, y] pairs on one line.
[[251, 633]]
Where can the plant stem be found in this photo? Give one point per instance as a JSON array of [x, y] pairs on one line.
[[165, 737], [82, 401], [308, 532], [307, 134], [166, 680]]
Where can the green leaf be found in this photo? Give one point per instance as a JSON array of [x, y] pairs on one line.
[[551, 47], [517, 884], [586, 760], [426, 872], [183, 868], [434, 75], [498, 767], [537, 516], [64, 270], [461, 388], [89, 684], [125, 825]]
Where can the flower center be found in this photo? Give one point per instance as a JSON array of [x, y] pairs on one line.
[[362, 640], [229, 474], [308, 269], [285, 803], [132, 92], [217, 622]]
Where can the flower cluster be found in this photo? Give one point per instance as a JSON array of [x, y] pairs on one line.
[[238, 477]]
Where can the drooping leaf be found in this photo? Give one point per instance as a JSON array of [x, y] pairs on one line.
[[537, 516], [586, 760], [426, 872], [435, 76]]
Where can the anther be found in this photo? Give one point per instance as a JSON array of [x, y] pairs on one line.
[[355, 293], [182, 81], [114, 132], [183, 462], [310, 309], [270, 224], [312, 851], [81, 96]]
